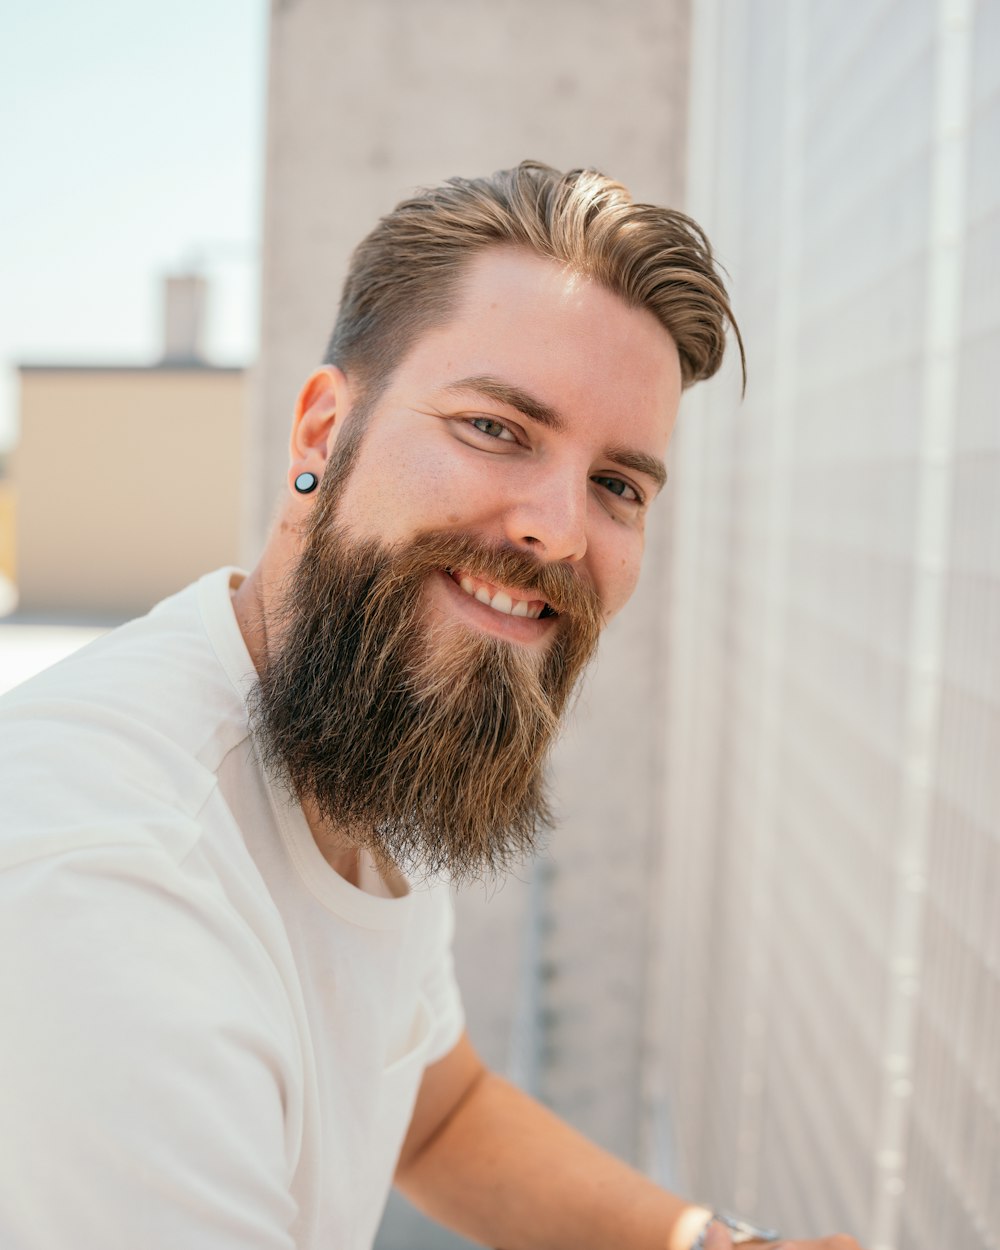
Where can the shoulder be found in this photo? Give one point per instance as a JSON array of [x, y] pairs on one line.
[[175, 670], [120, 741]]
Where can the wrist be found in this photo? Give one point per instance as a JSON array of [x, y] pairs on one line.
[[688, 1227]]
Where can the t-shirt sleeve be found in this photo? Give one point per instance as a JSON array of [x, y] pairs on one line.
[[146, 1075]]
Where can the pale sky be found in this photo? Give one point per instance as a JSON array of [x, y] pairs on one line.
[[132, 142]]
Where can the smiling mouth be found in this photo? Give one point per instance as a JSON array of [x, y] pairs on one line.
[[500, 599]]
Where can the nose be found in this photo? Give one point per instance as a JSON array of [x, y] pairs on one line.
[[551, 521]]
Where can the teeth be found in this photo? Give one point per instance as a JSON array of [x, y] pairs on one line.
[[500, 601]]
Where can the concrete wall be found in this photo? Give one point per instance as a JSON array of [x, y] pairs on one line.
[[368, 101], [127, 484]]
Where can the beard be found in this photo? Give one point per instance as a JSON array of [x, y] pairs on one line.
[[422, 741]]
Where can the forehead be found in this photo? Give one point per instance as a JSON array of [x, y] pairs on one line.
[[561, 336]]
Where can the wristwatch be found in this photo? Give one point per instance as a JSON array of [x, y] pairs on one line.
[[741, 1231]]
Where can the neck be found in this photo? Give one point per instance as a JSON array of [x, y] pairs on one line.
[[248, 606], [337, 849]]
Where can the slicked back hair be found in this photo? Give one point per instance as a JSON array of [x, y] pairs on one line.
[[404, 277]]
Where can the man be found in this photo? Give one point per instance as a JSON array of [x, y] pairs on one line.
[[231, 1015]]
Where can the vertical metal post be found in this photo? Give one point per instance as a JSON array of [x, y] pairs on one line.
[[940, 386]]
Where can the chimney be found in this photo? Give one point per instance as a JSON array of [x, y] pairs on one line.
[[183, 314]]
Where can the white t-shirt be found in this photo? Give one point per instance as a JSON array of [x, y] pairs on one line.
[[210, 1039]]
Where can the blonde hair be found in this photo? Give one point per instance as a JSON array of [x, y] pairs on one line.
[[404, 276]]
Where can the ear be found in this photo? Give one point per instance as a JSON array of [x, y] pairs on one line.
[[322, 405]]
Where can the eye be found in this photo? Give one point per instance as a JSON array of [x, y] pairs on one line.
[[493, 429], [618, 487]]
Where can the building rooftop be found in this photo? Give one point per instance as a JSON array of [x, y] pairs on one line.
[[162, 366]]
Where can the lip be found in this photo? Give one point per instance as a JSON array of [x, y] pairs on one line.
[[450, 598]]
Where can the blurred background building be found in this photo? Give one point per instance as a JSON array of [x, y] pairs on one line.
[[761, 957], [102, 527]]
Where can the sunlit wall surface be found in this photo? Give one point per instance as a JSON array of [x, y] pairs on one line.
[[824, 1017]]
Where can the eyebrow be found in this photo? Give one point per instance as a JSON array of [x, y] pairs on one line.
[[513, 397], [651, 466], [527, 404]]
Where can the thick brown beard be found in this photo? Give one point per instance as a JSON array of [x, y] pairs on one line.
[[425, 744]]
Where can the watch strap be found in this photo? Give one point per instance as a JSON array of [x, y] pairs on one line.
[[742, 1231]]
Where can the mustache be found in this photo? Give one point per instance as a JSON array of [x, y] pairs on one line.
[[567, 593]]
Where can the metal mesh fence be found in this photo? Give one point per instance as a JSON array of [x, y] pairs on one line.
[[824, 1031]]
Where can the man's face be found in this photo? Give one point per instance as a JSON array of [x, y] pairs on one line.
[[459, 563], [536, 418]]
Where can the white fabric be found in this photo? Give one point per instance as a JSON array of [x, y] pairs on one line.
[[210, 1040]]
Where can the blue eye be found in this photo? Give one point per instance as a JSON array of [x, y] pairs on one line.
[[617, 487]]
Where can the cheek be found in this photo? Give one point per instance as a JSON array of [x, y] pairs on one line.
[[620, 581], [393, 492]]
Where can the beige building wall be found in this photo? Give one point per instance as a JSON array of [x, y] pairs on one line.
[[8, 560], [127, 484]]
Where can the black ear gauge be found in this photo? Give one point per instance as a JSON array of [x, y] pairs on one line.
[[306, 483]]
